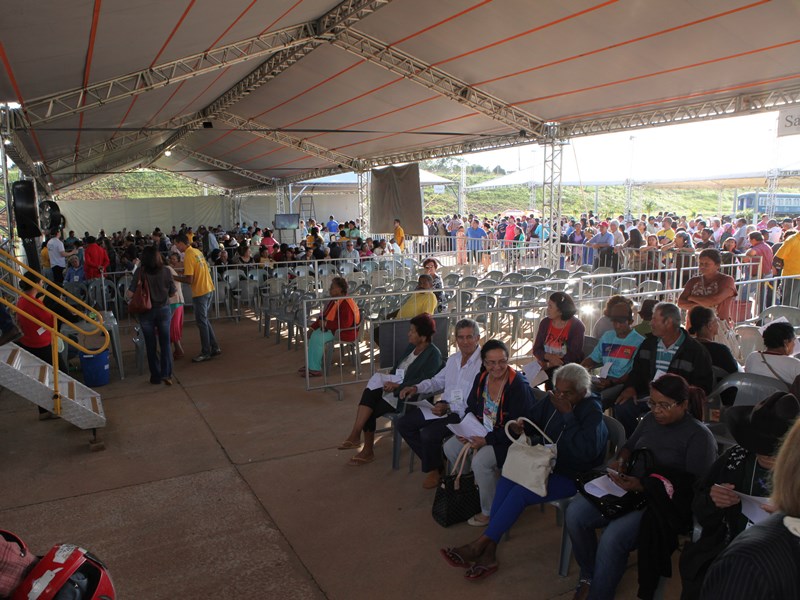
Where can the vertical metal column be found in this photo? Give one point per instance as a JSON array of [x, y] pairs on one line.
[[462, 190], [772, 187], [363, 202], [281, 199], [551, 198], [5, 130], [628, 199]]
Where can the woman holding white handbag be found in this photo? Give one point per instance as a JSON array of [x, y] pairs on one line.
[[572, 418]]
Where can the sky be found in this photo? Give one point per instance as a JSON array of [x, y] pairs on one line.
[[700, 149]]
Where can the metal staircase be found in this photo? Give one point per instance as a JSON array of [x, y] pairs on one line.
[[31, 378], [307, 208], [34, 379]]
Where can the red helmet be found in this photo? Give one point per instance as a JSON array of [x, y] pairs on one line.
[[67, 565]]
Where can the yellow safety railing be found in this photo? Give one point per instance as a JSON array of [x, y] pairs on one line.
[[8, 265]]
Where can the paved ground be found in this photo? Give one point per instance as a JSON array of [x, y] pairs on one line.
[[229, 485]]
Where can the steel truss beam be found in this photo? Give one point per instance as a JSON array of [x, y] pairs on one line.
[[50, 108], [290, 141], [551, 203], [342, 16], [221, 164], [435, 79], [324, 172], [729, 106], [16, 150]]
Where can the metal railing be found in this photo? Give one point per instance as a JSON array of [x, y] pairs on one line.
[[23, 272]]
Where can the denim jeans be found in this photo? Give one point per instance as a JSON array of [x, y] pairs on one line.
[[6, 322], [208, 342], [155, 324], [603, 564]]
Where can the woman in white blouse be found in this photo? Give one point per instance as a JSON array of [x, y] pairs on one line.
[[778, 359]]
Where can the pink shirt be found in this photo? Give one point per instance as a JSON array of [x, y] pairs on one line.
[[764, 252]]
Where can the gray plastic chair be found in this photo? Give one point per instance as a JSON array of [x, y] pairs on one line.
[[616, 439]]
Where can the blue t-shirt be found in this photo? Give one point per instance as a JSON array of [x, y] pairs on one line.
[[475, 236], [603, 238], [618, 352], [332, 226]]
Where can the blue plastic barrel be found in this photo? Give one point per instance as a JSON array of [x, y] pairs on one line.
[[95, 369]]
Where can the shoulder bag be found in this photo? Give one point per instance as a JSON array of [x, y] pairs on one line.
[[527, 465], [140, 301], [457, 497], [610, 506]]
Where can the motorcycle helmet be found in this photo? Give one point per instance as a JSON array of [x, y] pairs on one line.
[[67, 572]]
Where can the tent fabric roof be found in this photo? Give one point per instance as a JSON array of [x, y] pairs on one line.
[[249, 92], [350, 179]]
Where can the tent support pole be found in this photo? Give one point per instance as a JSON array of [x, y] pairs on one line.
[[5, 124], [551, 198], [363, 202]]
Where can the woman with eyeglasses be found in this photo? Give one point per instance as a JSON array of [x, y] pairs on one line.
[[573, 419], [430, 265], [682, 449], [559, 339], [499, 394]]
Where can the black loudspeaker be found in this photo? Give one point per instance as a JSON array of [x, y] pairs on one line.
[[25, 209], [50, 216]]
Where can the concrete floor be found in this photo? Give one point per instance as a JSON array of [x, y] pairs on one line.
[[229, 485]]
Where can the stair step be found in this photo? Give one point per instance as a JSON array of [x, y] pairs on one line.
[[40, 373]]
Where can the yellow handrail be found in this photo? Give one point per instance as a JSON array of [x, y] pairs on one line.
[[55, 335]]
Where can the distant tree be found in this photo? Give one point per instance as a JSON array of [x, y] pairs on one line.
[[498, 170]]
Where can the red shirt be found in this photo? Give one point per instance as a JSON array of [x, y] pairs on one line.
[[94, 257], [33, 334]]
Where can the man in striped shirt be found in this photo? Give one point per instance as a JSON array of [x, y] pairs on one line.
[[670, 349]]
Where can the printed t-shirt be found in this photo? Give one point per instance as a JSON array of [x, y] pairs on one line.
[[555, 342], [698, 287], [618, 352], [194, 264]]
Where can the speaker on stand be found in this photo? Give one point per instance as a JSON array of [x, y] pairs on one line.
[[24, 197]]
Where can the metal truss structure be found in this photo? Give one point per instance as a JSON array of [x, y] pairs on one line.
[[551, 204], [221, 164], [435, 79], [363, 200]]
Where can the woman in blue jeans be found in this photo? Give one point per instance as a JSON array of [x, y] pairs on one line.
[[156, 321], [573, 418], [680, 444]]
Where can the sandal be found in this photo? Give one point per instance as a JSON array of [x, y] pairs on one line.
[[358, 461], [348, 445], [453, 558], [476, 572]]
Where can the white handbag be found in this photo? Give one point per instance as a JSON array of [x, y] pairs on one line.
[[530, 466]]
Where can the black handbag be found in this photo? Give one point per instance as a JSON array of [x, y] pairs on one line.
[[611, 506], [457, 497]]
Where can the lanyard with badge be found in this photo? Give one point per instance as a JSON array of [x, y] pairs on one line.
[[491, 409]]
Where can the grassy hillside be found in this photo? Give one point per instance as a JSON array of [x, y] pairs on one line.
[[141, 183], [610, 200]]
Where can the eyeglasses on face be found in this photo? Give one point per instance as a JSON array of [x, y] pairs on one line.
[[660, 406], [496, 363]]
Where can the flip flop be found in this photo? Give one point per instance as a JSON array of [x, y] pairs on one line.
[[476, 572], [314, 373], [348, 445], [357, 461], [453, 558]]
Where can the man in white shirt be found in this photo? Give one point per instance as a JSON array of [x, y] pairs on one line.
[[775, 231], [425, 436], [58, 256], [351, 253]]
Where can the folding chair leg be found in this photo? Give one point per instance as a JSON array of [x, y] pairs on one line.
[[397, 441], [566, 552]]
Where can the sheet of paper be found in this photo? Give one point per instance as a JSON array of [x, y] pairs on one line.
[[604, 371], [603, 486], [419, 403], [534, 373], [778, 320], [378, 379], [427, 412], [468, 427], [751, 507]]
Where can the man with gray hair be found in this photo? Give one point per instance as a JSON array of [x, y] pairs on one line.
[[669, 350], [424, 434]]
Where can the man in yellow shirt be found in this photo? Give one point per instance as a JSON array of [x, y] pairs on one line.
[[789, 253], [667, 232], [419, 302], [399, 235], [197, 274]]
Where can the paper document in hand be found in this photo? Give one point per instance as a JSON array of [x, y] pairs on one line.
[[419, 403], [378, 379], [603, 486], [534, 373], [468, 427], [427, 412], [751, 507], [604, 371]]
